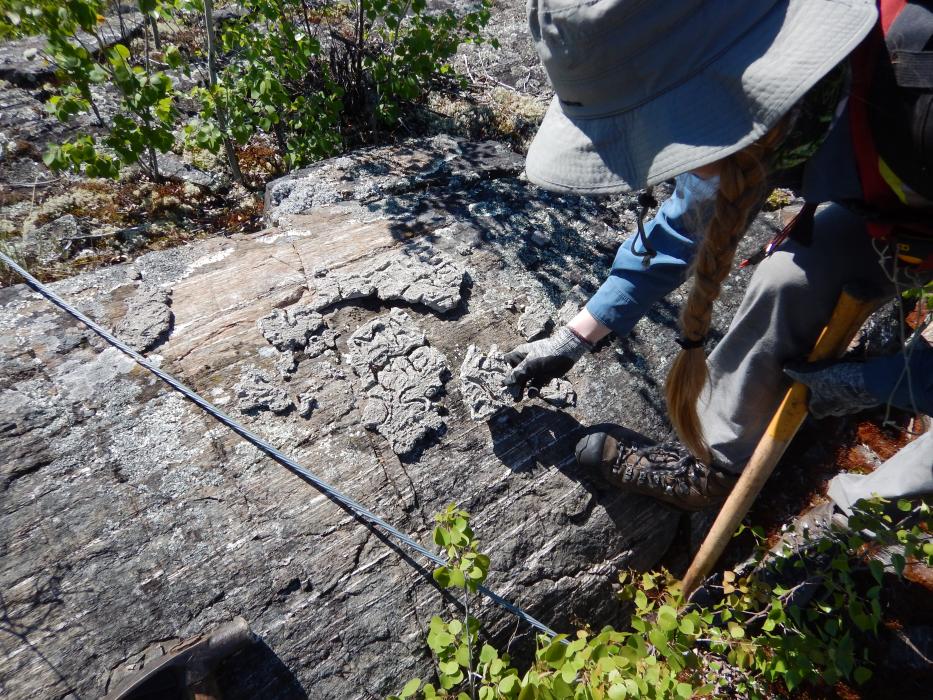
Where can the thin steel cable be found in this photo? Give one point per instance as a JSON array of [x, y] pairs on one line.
[[363, 513]]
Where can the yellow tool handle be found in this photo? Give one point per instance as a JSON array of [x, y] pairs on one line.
[[855, 304]]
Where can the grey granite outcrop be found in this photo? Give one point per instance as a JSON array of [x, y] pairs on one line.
[[298, 330], [258, 392], [129, 517]]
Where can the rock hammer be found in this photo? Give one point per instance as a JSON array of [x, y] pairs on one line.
[[856, 303]]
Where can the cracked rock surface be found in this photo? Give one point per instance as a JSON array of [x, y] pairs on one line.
[[482, 377], [559, 392], [416, 278], [129, 517], [400, 377]]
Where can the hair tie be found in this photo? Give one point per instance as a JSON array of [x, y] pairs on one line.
[[688, 344]]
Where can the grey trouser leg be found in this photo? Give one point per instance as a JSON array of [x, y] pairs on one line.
[[908, 473], [789, 300]]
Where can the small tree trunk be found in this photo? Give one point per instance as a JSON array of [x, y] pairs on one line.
[[282, 143], [154, 164], [156, 35], [119, 7], [229, 150], [360, 33]]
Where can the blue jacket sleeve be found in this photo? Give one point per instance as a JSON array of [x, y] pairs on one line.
[[632, 287]]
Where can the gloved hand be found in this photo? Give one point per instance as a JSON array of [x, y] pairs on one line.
[[541, 361], [836, 388]]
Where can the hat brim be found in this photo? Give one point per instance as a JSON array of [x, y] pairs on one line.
[[729, 104]]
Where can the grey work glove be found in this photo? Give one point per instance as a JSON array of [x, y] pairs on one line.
[[539, 362], [836, 388]]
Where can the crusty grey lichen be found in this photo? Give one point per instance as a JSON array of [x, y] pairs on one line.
[[148, 319], [256, 392], [297, 330], [535, 322], [481, 378], [559, 393], [400, 375], [412, 276]]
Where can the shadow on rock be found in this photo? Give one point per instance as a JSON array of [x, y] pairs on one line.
[[257, 672], [545, 437]]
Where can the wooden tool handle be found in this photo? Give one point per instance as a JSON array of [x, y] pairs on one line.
[[856, 303]]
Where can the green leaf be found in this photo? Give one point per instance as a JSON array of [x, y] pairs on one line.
[[411, 687], [568, 673], [877, 569], [861, 675], [173, 56], [684, 690], [667, 618], [449, 668], [122, 51], [442, 576], [904, 505], [456, 578], [659, 638], [508, 685], [441, 536], [617, 692]]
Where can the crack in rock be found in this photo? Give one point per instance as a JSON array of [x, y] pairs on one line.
[[481, 377], [414, 277], [255, 392], [148, 319], [400, 376]]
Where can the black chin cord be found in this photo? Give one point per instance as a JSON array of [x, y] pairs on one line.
[[646, 201]]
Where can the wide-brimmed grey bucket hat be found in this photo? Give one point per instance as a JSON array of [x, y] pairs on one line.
[[648, 89]]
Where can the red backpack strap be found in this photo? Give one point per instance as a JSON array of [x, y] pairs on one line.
[[875, 191]]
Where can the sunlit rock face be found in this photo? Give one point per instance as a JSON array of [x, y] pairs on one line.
[[129, 517]]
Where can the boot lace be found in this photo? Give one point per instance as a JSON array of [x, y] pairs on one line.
[[664, 468]]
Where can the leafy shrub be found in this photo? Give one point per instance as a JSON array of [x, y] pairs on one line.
[[755, 636], [315, 75]]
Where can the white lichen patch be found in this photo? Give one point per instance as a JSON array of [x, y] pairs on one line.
[[400, 376]]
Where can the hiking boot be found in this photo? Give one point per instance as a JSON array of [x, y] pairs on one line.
[[666, 472]]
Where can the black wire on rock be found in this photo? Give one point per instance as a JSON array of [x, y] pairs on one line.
[[363, 514]]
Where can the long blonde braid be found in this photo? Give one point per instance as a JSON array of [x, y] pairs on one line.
[[742, 188]]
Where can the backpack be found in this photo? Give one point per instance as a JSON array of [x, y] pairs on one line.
[[890, 113]]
